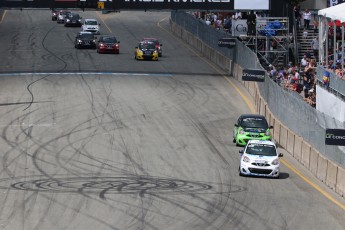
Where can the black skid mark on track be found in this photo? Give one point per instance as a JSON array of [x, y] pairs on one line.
[[103, 186]]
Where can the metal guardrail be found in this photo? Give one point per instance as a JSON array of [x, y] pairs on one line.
[[288, 107], [336, 84]]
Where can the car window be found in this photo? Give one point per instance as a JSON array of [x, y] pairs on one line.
[[156, 42], [261, 149], [109, 39], [254, 122], [90, 23], [147, 46]]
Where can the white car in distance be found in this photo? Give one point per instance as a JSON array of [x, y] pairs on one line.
[[260, 158], [91, 25]]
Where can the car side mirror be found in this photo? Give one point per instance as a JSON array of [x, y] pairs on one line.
[[136, 47], [236, 125], [271, 127], [118, 41], [80, 17], [161, 44], [280, 155], [241, 151], [99, 24]]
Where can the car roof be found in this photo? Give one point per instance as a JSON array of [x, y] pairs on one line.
[[150, 39], [84, 32], [261, 142], [90, 19], [252, 116]]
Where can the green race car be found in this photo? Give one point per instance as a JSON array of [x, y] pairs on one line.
[[251, 127]]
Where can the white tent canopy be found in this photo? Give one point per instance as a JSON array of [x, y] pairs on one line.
[[336, 12]]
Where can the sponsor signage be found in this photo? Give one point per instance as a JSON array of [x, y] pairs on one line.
[[331, 3], [253, 75], [197, 5], [335, 137], [227, 42], [239, 27]]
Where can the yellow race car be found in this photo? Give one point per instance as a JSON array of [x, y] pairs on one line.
[[146, 51]]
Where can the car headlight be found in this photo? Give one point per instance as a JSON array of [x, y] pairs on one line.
[[268, 132], [246, 159], [241, 131], [140, 52], [155, 51], [94, 40], [67, 20], [79, 41], [275, 162]]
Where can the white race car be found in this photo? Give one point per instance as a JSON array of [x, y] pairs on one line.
[[91, 25], [260, 158]]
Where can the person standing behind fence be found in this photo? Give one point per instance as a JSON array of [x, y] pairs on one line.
[[297, 15], [251, 22], [306, 17], [315, 47], [228, 23]]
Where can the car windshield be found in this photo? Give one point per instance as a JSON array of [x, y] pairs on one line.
[[73, 16], [147, 46], [261, 149], [154, 42], [109, 39], [254, 122], [92, 23], [87, 36], [64, 12]]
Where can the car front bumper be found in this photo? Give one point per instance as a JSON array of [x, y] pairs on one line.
[[262, 171], [106, 50], [242, 139], [147, 57]]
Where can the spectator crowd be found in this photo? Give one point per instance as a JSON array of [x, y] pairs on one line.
[[300, 78]]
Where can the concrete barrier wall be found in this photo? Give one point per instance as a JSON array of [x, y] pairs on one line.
[[276, 130], [324, 169], [331, 176], [314, 155], [283, 136], [340, 186], [290, 142], [305, 158], [297, 150]]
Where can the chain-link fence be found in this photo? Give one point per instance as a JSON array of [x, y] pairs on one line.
[[288, 107]]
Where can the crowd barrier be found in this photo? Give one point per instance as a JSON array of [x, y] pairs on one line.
[[332, 174]]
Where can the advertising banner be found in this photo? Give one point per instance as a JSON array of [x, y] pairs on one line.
[[335, 137], [334, 2], [253, 75], [227, 42], [239, 27]]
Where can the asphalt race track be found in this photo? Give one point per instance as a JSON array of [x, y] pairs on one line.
[[103, 141]]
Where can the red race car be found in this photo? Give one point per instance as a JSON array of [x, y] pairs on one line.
[[108, 44]]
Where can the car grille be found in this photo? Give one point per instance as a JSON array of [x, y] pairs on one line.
[[261, 164], [260, 171], [92, 31], [255, 135]]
